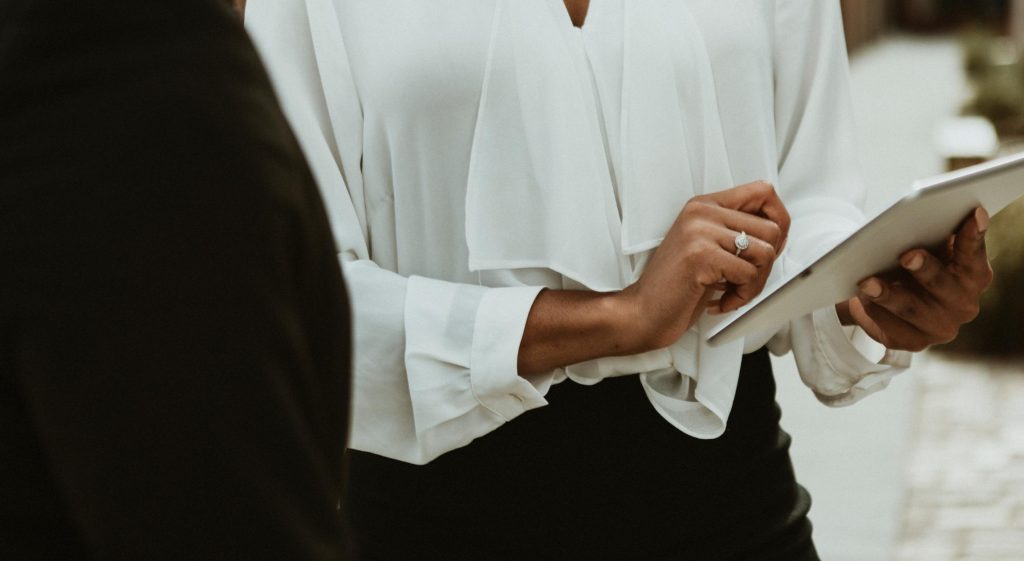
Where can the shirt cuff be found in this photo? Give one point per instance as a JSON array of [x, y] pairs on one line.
[[497, 334], [855, 375]]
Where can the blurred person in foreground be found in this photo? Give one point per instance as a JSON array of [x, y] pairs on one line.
[[174, 344]]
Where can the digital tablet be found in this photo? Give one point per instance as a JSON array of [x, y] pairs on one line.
[[933, 210]]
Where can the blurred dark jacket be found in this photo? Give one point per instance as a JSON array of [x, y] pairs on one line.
[[174, 343]]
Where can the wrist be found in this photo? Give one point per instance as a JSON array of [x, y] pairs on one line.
[[843, 311], [629, 327]]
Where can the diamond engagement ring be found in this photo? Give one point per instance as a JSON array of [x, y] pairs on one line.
[[742, 242]]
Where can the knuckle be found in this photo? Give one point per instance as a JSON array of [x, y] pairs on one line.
[[755, 255], [743, 294], [971, 311], [909, 311], [913, 342], [698, 206], [712, 210], [704, 228], [750, 274], [917, 346], [768, 255], [760, 283], [933, 283], [747, 292], [884, 297], [948, 334], [987, 275], [704, 273], [698, 254], [707, 251], [707, 277]]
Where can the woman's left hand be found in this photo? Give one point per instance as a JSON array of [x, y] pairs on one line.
[[927, 301]]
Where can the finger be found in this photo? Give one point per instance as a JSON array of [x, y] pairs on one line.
[[708, 304], [748, 197], [759, 198], [932, 275], [969, 246], [947, 247], [744, 280], [759, 227], [885, 327], [911, 304], [739, 295], [758, 252], [773, 209], [737, 272], [863, 320], [958, 296]]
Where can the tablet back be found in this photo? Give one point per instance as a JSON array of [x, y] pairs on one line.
[[924, 218]]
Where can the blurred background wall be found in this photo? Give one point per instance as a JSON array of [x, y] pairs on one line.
[[865, 20]]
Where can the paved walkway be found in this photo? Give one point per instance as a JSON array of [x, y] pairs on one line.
[[965, 477]]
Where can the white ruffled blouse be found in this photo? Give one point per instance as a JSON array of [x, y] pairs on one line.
[[472, 152]]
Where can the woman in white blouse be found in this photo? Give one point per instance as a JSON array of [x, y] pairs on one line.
[[528, 192]]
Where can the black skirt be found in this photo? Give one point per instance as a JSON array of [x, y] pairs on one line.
[[597, 474]]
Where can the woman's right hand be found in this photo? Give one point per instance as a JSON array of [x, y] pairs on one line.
[[698, 259]]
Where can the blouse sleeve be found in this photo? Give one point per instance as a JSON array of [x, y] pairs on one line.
[[820, 181], [435, 362]]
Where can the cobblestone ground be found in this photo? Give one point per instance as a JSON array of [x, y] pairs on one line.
[[965, 479]]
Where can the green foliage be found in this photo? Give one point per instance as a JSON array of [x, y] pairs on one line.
[[977, 47], [996, 69], [1000, 98]]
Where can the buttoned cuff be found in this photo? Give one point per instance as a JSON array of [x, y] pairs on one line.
[[497, 334]]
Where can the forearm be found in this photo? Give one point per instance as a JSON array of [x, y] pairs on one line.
[[566, 327], [694, 260]]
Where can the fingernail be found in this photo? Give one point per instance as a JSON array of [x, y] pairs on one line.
[[871, 288], [981, 218], [914, 262]]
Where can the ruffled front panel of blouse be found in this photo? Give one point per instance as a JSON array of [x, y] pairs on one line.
[[459, 149]]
